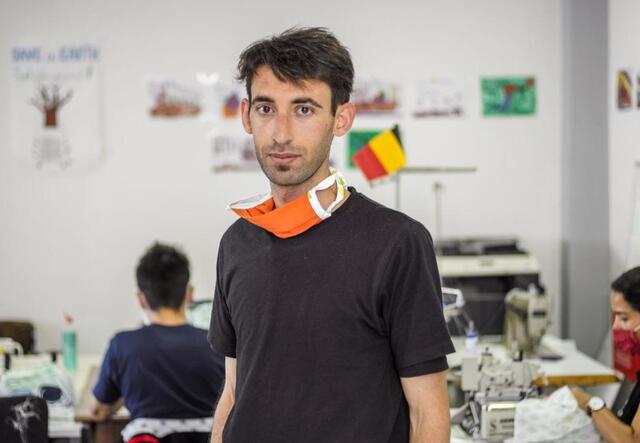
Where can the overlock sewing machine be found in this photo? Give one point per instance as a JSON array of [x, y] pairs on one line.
[[493, 389]]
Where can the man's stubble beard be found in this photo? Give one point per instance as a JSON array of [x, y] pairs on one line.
[[306, 171]]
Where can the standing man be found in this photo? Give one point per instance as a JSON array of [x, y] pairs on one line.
[[327, 305]]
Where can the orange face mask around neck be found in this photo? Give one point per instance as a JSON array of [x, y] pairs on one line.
[[295, 217]]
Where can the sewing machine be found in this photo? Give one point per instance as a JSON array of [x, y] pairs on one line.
[[526, 319], [8, 347], [493, 389]]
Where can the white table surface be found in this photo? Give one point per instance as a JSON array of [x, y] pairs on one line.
[[573, 364]]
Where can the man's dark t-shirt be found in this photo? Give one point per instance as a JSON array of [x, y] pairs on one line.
[[162, 372], [323, 325]]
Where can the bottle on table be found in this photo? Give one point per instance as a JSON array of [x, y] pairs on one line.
[[69, 344]]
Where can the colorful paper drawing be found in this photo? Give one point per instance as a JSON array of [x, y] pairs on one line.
[[638, 90], [375, 96], [233, 151], [55, 105], [221, 99], [508, 96], [624, 89], [175, 97], [226, 100], [439, 97], [356, 139]]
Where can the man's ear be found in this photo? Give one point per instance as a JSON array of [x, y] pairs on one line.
[[244, 112], [142, 301], [345, 114], [189, 295]]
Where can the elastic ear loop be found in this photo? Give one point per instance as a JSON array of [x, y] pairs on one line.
[[340, 185], [325, 184]]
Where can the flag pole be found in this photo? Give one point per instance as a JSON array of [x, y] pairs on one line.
[[437, 188]]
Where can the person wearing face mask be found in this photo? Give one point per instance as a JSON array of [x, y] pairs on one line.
[[625, 306]]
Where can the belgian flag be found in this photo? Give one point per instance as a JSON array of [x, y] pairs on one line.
[[382, 155]]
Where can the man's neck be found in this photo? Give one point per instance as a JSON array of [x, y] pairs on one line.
[[286, 194], [167, 317]]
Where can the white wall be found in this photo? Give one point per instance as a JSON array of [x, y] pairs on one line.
[[624, 149], [71, 243]]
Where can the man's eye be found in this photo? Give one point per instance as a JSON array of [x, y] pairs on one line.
[[305, 110], [264, 109]]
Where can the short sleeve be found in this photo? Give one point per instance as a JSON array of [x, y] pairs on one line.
[[107, 389], [222, 335], [412, 306]]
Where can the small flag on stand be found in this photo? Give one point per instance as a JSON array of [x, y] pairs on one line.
[[382, 155]]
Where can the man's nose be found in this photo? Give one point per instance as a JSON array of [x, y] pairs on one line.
[[282, 130]]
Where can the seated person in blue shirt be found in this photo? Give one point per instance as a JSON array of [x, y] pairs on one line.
[[165, 369]]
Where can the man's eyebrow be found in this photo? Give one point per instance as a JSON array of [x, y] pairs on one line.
[[304, 100], [295, 101], [262, 98], [620, 312]]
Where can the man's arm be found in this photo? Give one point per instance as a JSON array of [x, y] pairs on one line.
[[428, 402], [226, 401], [102, 411]]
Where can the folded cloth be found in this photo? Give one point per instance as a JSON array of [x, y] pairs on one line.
[[554, 419]]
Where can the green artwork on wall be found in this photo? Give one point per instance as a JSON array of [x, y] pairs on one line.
[[508, 96], [357, 139]]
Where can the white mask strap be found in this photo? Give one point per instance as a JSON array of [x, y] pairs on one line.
[[335, 177]]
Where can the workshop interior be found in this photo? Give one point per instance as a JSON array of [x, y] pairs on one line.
[[122, 126]]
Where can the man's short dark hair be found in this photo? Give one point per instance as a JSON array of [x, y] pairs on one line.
[[628, 284], [163, 276], [300, 54]]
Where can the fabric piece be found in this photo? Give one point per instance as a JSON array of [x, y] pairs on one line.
[[554, 419], [36, 381], [160, 428], [23, 419], [162, 372], [324, 324]]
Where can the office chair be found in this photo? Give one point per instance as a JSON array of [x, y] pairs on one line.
[[23, 419]]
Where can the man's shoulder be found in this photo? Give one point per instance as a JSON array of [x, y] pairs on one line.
[[378, 216], [126, 336], [240, 230]]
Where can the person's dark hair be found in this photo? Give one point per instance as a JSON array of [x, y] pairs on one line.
[[300, 54], [628, 284], [163, 276]]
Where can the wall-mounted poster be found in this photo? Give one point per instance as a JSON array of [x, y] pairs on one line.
[[54, 107], [439, 97], [229, 97], [173, 97], [638, 89], [508, 96], [624, 89], [233, 151], [376, 97]]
